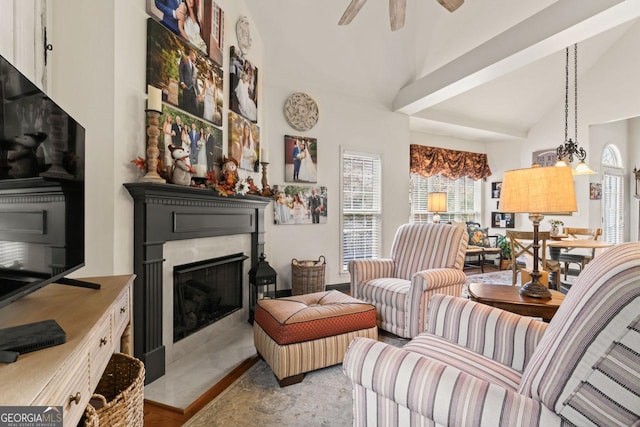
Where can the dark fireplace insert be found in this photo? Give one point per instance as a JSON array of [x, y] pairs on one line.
[[205, 292]]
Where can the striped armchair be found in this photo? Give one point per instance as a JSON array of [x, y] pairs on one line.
[[425, 259], [479, 365]]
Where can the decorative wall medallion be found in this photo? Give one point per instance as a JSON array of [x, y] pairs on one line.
[[243, 33], [301, 111]]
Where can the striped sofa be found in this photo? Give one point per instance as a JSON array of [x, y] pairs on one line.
[[425, 259], [477, 365]]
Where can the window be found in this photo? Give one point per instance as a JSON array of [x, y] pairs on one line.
[[361, 206], [612, 195], [463, 198]]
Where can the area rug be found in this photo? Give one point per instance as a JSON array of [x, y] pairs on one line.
[[323, 398]]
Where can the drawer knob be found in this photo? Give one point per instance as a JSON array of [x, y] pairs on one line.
[[103, 341], [123, 309], [75, 399]]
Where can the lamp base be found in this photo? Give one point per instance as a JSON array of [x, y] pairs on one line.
[[535, 289]]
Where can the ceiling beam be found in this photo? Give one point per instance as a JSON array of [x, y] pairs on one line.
[[469, 123], [460, 131], [563, 23]]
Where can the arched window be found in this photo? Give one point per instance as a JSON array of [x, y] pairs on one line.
[[612, 195]]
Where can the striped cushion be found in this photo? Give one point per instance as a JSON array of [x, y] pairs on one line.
[[437, 348], [424, 246], [363, 270], [312, 316], [505, 337], [593, 334], [389, 296], [396, 387]]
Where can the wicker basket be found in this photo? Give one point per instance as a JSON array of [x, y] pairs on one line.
[[307, 276], [90, 417], [119, 396]]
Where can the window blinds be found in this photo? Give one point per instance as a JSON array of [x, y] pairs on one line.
[[361, 206]]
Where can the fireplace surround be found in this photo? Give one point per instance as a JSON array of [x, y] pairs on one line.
[[167, 212]]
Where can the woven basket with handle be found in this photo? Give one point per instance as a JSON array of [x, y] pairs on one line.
[[119, 396], [307, 276]]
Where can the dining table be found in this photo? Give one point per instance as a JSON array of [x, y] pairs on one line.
[[555, 247]]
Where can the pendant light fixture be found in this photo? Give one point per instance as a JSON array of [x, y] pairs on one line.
[[570, 149]]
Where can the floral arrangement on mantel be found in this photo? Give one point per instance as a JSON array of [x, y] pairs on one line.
[[229, 184]]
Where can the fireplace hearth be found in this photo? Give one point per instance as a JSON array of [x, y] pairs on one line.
[[205, 292]]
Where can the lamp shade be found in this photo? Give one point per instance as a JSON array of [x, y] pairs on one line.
[[437, 202], [538, 190]]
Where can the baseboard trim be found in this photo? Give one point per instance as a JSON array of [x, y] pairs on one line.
[[342, 287]]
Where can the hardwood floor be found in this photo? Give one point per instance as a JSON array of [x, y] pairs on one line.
[[159, 415]]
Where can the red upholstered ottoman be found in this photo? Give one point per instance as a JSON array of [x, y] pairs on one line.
[[302, 333]]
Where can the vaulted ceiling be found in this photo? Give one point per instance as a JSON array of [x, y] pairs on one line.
[[488, 71]]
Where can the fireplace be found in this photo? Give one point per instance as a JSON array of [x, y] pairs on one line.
[[205, 292], [166, 215]]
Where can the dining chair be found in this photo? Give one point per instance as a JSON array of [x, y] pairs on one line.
[[578, 256], [522, 245]]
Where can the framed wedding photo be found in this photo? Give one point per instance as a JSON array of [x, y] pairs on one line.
[[205, 145], [188, 80], [243, 86], [205, 33], [244, 142], [300, 159], [299, 204]]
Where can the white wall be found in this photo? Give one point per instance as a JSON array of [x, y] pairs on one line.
[[344, 122], [82, 82], [99, 78]]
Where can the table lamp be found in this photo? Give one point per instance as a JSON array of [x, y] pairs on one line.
[[437, 202], [536, 191]]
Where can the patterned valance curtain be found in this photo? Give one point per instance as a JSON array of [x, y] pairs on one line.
[[453, 164]]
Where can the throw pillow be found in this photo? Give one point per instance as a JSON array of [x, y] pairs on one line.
[[478, 236]]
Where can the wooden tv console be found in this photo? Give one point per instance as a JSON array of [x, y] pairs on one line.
[[96, 322]]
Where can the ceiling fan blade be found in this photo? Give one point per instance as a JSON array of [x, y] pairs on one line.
[[451, 5], [397, 12], [351, 12]]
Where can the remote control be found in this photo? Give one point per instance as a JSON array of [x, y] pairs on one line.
[[7, 356]]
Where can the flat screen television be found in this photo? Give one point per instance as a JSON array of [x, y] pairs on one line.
[[42, 191]]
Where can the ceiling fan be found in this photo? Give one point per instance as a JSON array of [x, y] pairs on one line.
[[397, 9]]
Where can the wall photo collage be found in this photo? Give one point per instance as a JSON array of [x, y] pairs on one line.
[[185, 61]]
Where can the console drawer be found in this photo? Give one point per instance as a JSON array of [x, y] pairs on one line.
[[69, 389], [122, 313], [101, 349]]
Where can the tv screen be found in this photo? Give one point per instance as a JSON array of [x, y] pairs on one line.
[[41, 188]]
